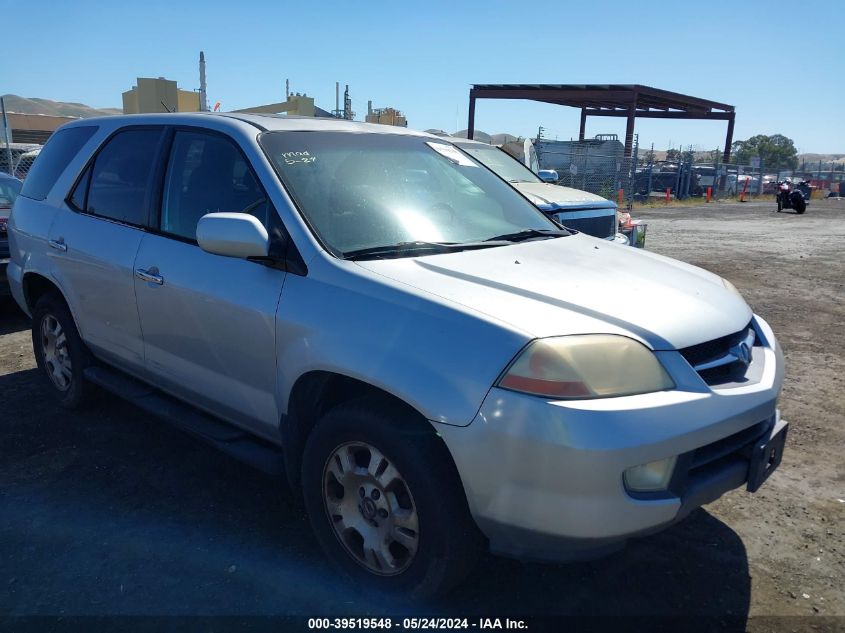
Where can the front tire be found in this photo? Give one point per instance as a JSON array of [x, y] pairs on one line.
[[59, 351], [800, 206], [385, 500]]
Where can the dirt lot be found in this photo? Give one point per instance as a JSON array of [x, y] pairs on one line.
[[107, 512]]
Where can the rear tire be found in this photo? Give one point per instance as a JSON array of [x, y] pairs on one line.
[[386, 502], [59, 351]]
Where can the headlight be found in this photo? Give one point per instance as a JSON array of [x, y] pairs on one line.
[[586, 366]]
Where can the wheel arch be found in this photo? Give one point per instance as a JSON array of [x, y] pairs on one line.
[[315, 393], [35, 285]]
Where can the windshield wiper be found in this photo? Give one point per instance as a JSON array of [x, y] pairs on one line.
[[528, 234], [408, 249]]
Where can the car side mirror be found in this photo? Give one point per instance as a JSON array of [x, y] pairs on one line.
[[233, 235]]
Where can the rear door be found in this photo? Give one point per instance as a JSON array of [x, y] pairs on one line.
[[93, 245], [209, 320]]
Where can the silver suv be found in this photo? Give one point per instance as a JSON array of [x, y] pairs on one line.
[[431, 362]]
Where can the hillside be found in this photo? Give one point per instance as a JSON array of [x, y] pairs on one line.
[[809, 159], [825, 158], [33, 105]]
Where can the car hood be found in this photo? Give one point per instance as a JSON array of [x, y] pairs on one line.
[[549, 197], [579, 285]]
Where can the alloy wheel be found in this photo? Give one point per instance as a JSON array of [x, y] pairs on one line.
[[54, 348], [370, 508]]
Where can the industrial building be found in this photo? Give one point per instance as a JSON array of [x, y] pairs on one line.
[[34, 128], [159, 95], [302, 105], [295, 104], [385, 116]]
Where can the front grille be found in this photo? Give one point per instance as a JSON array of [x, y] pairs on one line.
[[603, 226], [713, 455], [693, 470], [713, 359]]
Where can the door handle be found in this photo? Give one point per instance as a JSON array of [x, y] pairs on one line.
[[151, 276], [58, 244]]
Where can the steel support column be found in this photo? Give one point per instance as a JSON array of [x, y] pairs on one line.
[[583, 124], [729, 138], [629, 130], [471, 116]]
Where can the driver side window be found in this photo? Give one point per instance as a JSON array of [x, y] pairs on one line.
[[207, 173]]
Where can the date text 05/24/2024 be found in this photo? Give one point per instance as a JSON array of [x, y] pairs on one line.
[[416, 623]]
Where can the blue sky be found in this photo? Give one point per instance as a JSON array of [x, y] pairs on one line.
[[784, 75]]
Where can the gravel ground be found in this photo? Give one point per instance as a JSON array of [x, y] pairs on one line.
[[109, 512]]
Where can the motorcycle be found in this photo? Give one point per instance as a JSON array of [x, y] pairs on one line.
[[793, 198]]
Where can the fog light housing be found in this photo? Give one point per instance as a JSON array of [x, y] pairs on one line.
[[651, 477]]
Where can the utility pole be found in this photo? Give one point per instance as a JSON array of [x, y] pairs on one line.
[[540, 131], [6, 136], [203, 92]]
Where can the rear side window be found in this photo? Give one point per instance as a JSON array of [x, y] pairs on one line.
[[57, 153], [118, 182]]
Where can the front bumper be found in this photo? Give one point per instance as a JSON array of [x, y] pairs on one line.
[[544, 479]]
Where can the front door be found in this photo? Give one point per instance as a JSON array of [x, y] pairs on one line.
[[209, 321]]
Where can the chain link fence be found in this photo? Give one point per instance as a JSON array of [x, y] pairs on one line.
[[726, 180], [16, 159], [595, 165], [599, 166]]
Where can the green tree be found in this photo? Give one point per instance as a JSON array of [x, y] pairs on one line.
[[648, 157], [775, 151], [673, 155]]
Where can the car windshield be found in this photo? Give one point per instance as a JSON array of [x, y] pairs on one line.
[[9, 190], [504, 165], [362, 191]]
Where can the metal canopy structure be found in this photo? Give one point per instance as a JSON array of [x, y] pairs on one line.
[[631, 101]]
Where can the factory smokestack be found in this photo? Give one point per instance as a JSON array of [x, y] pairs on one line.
[[203, 93]]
